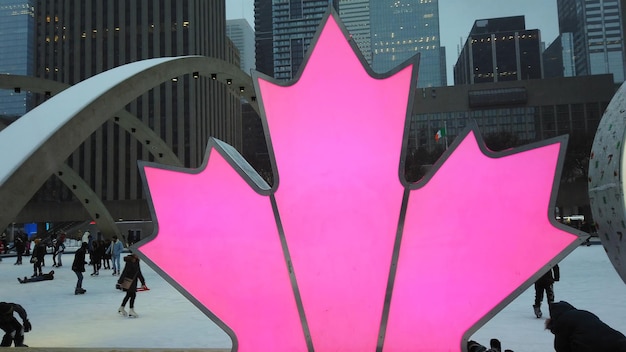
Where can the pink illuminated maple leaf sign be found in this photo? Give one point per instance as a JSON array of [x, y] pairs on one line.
[[342, 254]]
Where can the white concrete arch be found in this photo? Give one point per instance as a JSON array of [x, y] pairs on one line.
[[158, 148], [43, 138], [81, 190]]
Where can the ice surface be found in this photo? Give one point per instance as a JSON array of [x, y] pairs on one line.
[[168, 320]]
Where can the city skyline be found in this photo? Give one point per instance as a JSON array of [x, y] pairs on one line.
[[456, 20]]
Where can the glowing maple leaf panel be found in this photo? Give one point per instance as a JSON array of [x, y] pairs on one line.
[[341, 255], [464, 249], [337, 138], [218, 239]]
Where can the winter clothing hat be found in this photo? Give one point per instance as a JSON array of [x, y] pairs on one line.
[[6, 308]]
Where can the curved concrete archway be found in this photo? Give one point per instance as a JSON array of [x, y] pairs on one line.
[[80, 110], [88, 198], [158, 148], [81, 190]]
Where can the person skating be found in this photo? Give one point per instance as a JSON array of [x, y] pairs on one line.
[[96, 257], [128, 282], [59, 250], [13, 330], [545, 283], [78, 267], [37, 258], [20, 247], [115, 249]]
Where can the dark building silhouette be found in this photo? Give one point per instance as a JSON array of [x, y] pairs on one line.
[[558, 58], [497, 50], [283, 33]]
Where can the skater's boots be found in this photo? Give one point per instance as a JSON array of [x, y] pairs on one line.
[[538, 313], [122, 311], [79, 291], [132, 314], [19, 341]]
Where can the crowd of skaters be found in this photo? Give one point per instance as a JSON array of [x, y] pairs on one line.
[[102, 254]]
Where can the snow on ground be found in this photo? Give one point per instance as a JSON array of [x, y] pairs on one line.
[[168, 320]]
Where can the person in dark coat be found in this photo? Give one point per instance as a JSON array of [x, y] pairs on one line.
[[128, 282], [39, 252], [78, 267], [20, 247], [44, 277], [578, 330], [13, 330], [545, 283], [96, 257]]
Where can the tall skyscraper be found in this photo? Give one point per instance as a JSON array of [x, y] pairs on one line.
[[597, 30], [79, 39], [499, 49], [17, 52], [355, 15], [558, 58], [291, 25], [242, 35], [264, 36], [402, 28]]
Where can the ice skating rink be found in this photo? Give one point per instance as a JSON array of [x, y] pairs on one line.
[[168, 320]]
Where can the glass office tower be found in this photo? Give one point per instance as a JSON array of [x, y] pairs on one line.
[[403, 28], [17, 52], [596, 27]]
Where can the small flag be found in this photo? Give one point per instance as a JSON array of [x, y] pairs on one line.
[[440, 134]]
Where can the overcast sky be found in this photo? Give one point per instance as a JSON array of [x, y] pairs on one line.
[[456, 18]]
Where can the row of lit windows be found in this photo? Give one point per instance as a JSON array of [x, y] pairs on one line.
[[510, 37], [404, 49], [409, 41], [94, 32]]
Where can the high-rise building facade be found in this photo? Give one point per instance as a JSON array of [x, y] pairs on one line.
[[499, 49], [264, 37], [295, 22], [283, 32], [558, 58], [79, 39], [402, 28], [355, 15], [242, 35], [597, 30], [17, 52]]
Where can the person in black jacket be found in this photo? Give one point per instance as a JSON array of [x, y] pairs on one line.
[[37, 258], [578, 330], [78, 267], [20, 246], [128, 282], [13, 330], [44, 277], [545, 283]]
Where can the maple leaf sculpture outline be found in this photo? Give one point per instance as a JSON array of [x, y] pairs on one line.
[[342, 254]]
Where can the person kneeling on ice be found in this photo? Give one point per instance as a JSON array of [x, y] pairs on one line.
[[48, 276], [13, 330], [128, 282], [578, 330]]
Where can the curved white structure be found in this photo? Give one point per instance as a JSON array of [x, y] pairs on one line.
[[42, 139], [606, 181]]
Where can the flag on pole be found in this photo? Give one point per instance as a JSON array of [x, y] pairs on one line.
[[440, 134]]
